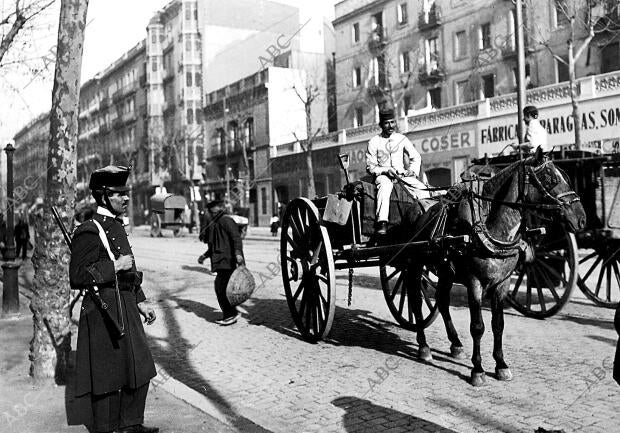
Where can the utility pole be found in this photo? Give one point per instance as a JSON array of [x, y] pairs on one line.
[[520, 68], [226, 151]]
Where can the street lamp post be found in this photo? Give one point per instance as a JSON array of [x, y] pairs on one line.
[[10, 290]]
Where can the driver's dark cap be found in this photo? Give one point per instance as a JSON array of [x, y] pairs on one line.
[[112, 178], [386, 114], [214, 203]]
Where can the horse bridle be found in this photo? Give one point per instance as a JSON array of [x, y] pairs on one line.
[[559, 201]]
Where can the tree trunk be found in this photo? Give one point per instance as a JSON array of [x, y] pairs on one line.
[[573, 95], [51, 342], [309, 140]]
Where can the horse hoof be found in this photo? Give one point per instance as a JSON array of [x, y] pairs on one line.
[[503, 374], [424, 353], [478, 379], [456, 351]]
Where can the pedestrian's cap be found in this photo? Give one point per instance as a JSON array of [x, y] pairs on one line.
[[530, 110], [386, 114], [212, 204], [112, 178]]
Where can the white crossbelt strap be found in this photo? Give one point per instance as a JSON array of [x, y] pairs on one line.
[[104, 240], [106, 244]]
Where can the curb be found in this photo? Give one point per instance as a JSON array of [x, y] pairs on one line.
[[238, 420], [249, 237]]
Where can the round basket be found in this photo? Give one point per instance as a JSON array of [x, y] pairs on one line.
[[240, 286]]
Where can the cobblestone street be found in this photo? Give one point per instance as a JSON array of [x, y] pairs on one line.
[[366, 376]]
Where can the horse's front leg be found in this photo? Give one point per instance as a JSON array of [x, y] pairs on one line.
[[497, 323], [476, 328], [414, 286], [444, 286]]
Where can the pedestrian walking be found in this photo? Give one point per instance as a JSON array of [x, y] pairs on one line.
[[112, 372], [22, 238], [226, 253], [275, 223]]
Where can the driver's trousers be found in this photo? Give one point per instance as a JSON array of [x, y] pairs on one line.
[[384, 191]]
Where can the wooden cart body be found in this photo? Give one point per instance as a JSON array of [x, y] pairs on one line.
[[167, 211]]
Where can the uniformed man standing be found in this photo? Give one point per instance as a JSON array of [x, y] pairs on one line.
[[113, 372]]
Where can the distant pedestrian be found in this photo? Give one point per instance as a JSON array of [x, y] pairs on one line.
[[226, 253], [22, 238], [112, 372], [275, 223], [2, 235]]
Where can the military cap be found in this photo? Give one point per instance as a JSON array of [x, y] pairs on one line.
[[113, 178], [386, 114]]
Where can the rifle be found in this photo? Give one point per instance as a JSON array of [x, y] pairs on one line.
[[116, 331]]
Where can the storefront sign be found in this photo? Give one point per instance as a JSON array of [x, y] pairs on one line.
[[449, 141]]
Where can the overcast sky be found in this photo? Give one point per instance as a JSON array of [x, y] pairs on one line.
[[114, 26]]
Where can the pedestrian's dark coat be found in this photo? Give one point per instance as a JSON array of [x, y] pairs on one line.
[[104, 364], [219, 232], [21, 232]]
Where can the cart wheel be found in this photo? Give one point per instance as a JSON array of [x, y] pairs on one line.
[[307, 270], [602, 271], [155, 225], [543, 286], [398, 296], [178, 229]]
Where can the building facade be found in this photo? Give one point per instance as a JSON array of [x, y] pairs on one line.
[[244, 122]]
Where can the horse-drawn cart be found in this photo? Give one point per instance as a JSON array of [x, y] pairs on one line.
[[590, 258]]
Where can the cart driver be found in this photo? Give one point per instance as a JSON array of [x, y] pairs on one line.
[[385, 161]]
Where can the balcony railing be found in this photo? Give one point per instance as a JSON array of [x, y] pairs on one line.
[[117, 96], [429, 76], [378, 39], [510, 50], [430, 19], [105, 103]]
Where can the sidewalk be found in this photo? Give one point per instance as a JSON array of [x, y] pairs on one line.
[[26, 407], [254, 233]]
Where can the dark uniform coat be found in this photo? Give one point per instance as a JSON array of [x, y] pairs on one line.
[[105, 364], [219, 233]]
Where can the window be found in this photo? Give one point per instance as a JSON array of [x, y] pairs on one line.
[[462, 92], [432, 54], [248, 132], [374, 70], [154, 38], [358, 117], [357, 77], [401, 13], [405, 62], [488, 86], [377, 25], [560, 13], [188, 79], [198, 79], [355, 33], [460, 45], [190, 116], [434, 97], [263, 200], [188, 45], [610, 58], [562, 70], [154, 64], [406, 105], [484, 42]]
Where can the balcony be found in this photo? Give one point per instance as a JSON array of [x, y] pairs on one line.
[[376, 90], [142, 111], [105, 103], [142, 80], [117, 123], [428, 76], [117, 96], [378, 39], [104, 129], [130, 89], [430, 19], [169, 107], [509, 50]]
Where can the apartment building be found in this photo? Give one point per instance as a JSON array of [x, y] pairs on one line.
[[245, 121], [174, 109]]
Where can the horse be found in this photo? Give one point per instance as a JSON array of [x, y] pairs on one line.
[[494, 220]]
